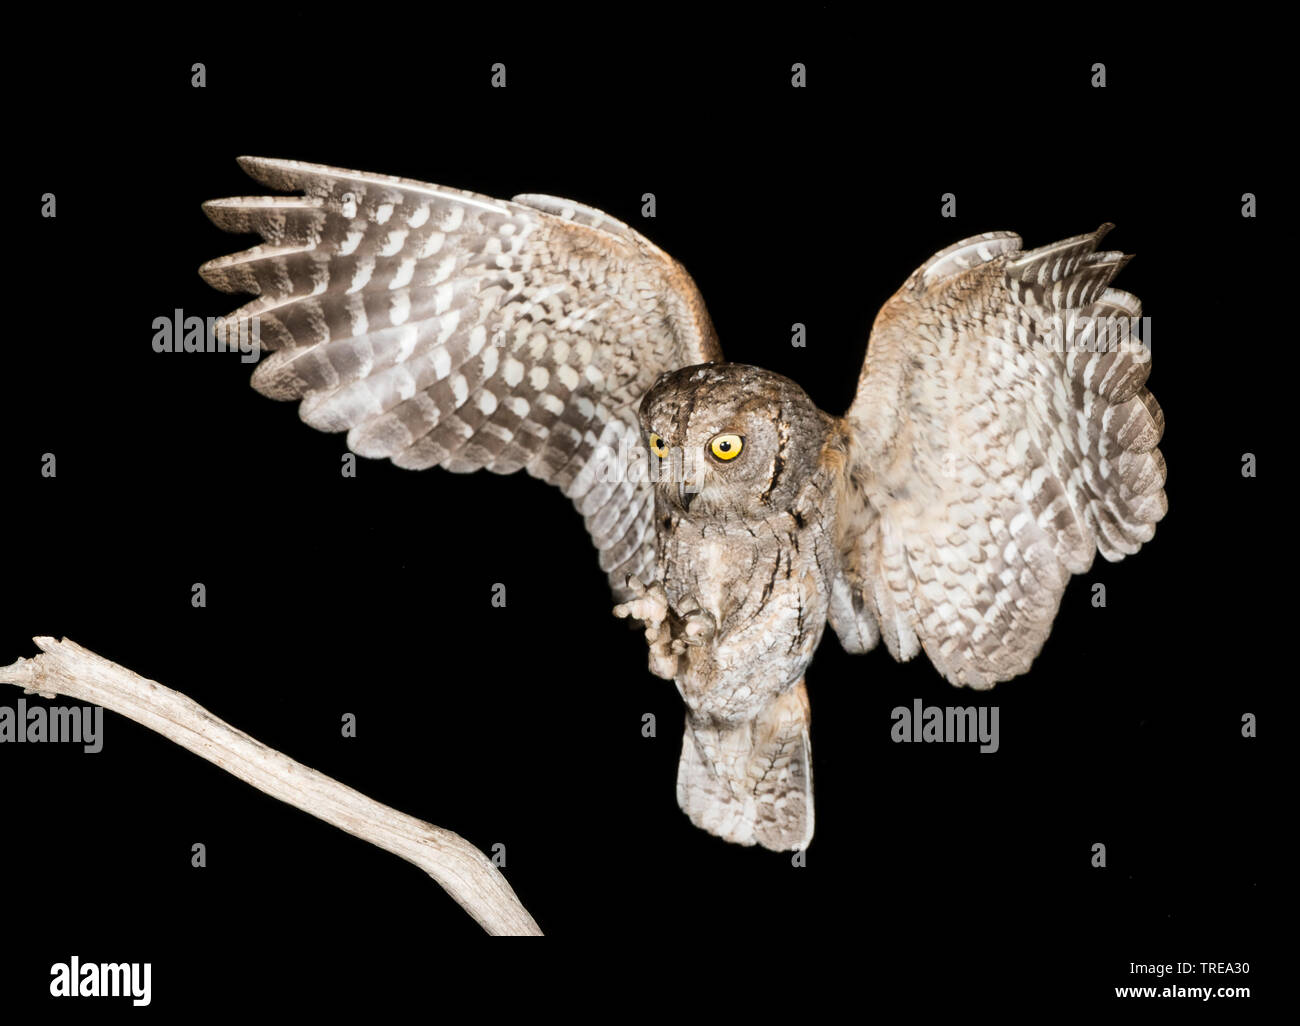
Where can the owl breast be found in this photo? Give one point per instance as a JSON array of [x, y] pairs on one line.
[[766, 586]]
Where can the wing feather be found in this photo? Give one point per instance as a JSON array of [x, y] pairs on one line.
[[1002, 435], [439, 327]]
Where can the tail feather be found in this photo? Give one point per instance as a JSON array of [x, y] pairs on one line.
[[751, 783]]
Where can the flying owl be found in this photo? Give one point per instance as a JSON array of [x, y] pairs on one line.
[[1000, 436]]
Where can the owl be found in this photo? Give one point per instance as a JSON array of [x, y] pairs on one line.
[[1001, 434]]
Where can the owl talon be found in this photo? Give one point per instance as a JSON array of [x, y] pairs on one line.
[[649, 605], [698, 627]]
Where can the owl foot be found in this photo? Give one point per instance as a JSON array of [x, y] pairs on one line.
[[696, 627], [650, 606]]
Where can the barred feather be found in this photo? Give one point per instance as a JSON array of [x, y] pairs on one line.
[[997, 447], [751, 783], [444, 328]]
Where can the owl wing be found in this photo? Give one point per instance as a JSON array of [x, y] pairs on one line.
[[441, 327], [1001, 435]]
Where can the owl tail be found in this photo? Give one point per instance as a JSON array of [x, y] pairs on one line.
[[752, 783]]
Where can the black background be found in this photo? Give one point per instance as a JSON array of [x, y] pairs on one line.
[[522, 725]]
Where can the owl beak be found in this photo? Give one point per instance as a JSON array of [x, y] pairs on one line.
[[686, 493]]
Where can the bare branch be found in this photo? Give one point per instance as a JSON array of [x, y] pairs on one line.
[[462, 870]]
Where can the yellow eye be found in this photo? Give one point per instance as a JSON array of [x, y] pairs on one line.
[[726, 447], [658, 446]]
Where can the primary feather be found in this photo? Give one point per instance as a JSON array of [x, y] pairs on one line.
[[444, 328], [1000, 439]]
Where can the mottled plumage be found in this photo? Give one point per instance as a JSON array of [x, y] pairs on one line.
[[441, 327], [993, 446]]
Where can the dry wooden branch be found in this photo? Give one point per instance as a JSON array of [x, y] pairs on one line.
[[462, 870]]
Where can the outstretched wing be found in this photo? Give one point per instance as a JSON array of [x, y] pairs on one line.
[[440, 327], [1002, 434]]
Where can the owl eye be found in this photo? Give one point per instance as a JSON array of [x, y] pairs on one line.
[[658, 446], [726, 447]]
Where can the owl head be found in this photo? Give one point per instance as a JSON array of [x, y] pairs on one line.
[[727, 438]]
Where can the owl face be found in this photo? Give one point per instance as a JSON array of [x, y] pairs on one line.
[[729, 438]]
